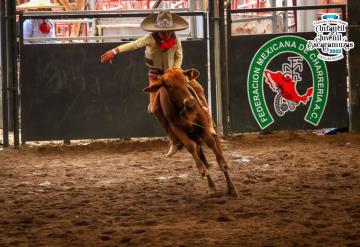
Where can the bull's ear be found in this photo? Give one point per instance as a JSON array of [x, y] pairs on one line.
[[193, 74], [154, 87]]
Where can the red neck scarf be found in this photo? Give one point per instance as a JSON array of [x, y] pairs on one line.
[[167, 44], [44, 27]]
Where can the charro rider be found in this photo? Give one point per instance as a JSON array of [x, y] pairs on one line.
[[163, 50]]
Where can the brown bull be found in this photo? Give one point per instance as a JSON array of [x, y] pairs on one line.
[[184, 118]]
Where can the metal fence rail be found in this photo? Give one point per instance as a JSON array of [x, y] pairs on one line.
[[308, 7], [97, 14]]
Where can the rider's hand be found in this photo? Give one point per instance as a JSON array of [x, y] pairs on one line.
[[108, 56]]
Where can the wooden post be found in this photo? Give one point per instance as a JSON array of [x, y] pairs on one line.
[[79, 5], [354, 64], [66, 5]]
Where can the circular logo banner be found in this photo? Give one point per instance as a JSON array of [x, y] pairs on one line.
[[284, 81]]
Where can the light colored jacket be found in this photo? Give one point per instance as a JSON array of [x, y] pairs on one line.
[[154, 57], [32, 30]]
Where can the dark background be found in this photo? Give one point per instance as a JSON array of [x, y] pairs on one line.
[[66, 93]]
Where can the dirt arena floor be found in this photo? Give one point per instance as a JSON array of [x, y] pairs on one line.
[[295, 189]]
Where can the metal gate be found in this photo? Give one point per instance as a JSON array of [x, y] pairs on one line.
[[66, 93], [275, 83]]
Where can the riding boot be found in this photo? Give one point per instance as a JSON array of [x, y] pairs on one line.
[[211, 122], [212, 129], [199, 95], [154, 109], [173, 148]]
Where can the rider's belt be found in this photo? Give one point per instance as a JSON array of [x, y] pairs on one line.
[[149, 62], [155, 73]]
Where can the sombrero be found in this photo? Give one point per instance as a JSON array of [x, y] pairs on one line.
[[164, 21], [38, 5]]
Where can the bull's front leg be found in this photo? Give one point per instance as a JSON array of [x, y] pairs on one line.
[[213, 143], [191, 146], [193, 149], [211, 183]]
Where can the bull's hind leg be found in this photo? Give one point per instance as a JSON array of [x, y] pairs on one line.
[[213, 142], [211, 183]]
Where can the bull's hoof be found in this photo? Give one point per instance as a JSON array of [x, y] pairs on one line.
[[215, 194], [204, 173], [232, 192], [227, 166]]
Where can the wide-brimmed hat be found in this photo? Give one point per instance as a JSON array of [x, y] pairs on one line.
[[164, 21], [38, 5]]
